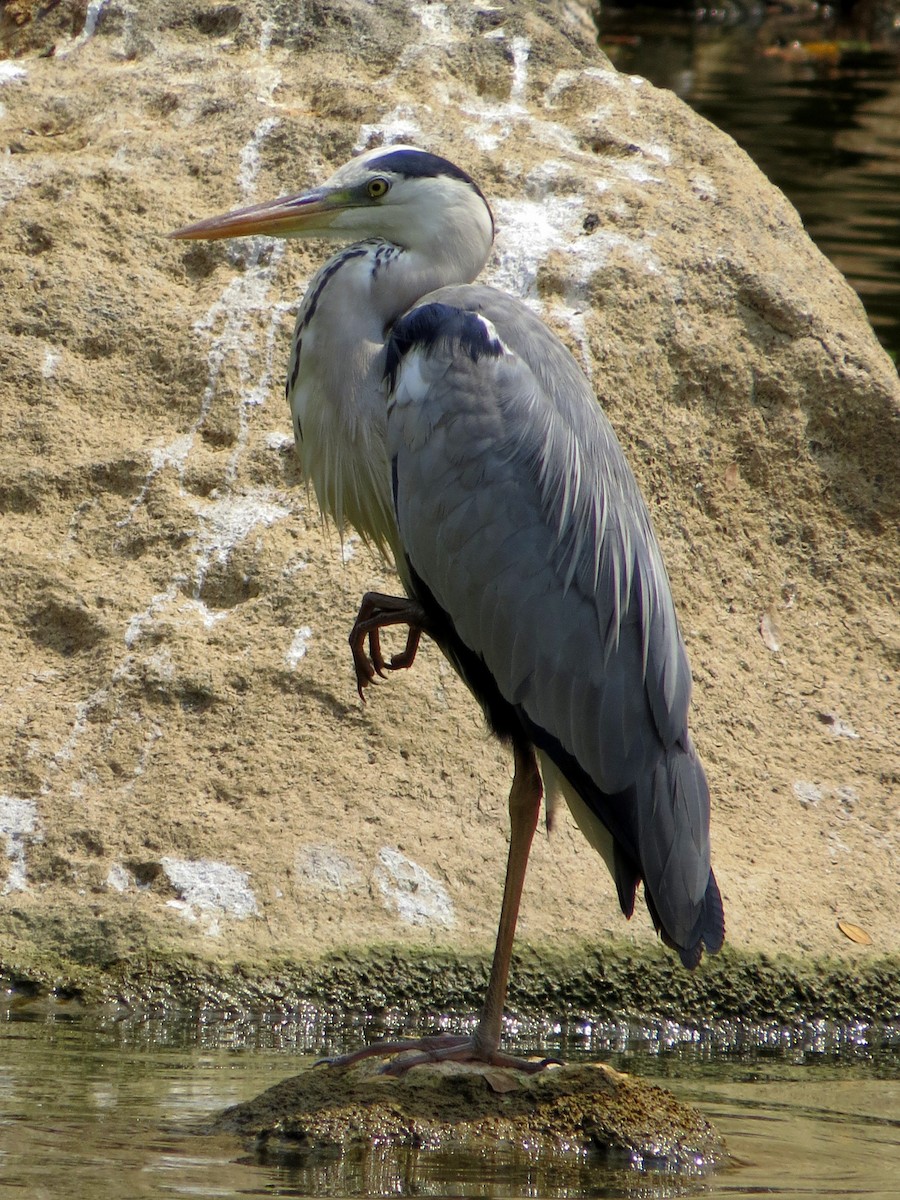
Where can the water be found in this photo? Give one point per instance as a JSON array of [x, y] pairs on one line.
[[103, 1107], [812, 93]]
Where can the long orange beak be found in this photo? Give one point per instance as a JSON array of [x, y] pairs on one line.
[[303, 215]]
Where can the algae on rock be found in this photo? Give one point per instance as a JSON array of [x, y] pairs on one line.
[[575, 1114]]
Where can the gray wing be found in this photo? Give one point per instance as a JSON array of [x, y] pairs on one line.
[[517, 509]]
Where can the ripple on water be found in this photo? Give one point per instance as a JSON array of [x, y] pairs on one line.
[[104, 1105]]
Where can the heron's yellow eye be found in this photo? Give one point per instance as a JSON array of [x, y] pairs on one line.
[[376, 188]]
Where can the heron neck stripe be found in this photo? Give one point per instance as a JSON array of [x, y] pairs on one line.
[[295, 368], [328, 271]]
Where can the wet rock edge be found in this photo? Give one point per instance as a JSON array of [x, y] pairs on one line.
[[599, 981]]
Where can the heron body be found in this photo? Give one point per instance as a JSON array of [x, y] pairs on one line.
[[455, 432]]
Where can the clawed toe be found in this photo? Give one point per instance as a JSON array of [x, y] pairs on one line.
[[377, 612], [436, 1049]]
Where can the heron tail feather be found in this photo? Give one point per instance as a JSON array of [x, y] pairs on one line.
[[672, 843]]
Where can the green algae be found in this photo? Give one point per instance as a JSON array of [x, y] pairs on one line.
[[575, 1112], [569, 982]]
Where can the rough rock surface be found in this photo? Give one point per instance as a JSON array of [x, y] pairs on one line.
[[563, 1117], [186, 768]]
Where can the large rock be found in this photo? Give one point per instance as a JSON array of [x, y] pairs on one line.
[[187, 767]]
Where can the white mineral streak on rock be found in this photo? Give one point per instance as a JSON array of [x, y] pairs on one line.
[[568, 78], [408, 889], [268, 77], [809, 794], [19, 825], [155, 732], [135, 627], [197, 609], [83, 712], [527, 231], [173, 455], [436, 21], [703, 186], [209, 891], [635, 169], [530, 230], [226, 521], [12, 178], [233, 317], [10, 71], [159, 666], [658, 150], [250, 156], [520, 48], [290, 569], [400, 125], [838, 727], [246, 297], [547, 220], [91, 17], [119, 878], [265, 35], [494, 122], [84, 719], [349, 542], [298, 647]]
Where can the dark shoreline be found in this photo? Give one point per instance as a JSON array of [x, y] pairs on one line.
[[577, 981]]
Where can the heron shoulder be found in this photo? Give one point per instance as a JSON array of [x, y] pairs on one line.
[[433, 325]]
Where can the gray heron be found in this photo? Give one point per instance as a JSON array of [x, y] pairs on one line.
[[447, 424]]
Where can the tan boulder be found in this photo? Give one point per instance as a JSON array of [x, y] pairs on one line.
[[187, 768]]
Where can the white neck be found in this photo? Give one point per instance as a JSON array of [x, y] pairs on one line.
[[338, 397]]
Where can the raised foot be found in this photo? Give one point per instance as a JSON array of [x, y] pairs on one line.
[[377, 612], [436, 1049]]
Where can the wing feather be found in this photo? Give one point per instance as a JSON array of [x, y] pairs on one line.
[[503, 480], [517, 510]]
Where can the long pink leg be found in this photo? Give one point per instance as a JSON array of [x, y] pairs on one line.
[[484, 1045], [524, 809]]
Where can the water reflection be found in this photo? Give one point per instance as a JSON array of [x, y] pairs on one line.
[[812, 93], [640, 1045], [102, 1105]]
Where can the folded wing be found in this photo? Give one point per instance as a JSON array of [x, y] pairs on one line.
[[526, 532]]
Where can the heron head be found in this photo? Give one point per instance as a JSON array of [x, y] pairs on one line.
[[406, 196]]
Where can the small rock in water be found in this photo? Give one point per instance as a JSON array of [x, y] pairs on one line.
[[570, 1118]]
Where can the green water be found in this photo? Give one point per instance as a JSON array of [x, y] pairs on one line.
[[812, 93], [96, 1106]]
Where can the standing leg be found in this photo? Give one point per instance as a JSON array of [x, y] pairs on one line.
[[484, 1046], [524, 809]]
